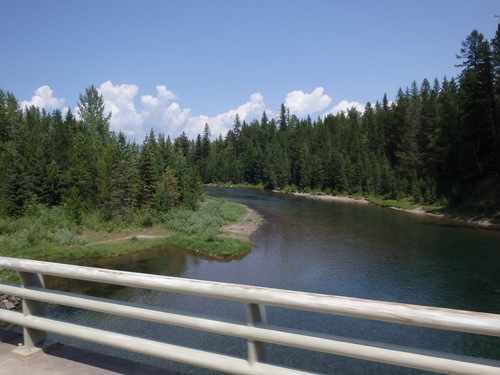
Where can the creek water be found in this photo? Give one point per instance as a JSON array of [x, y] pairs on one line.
[[339, 248]]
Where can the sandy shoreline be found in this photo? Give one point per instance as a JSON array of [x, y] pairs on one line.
[[245, 227], [332, 197]]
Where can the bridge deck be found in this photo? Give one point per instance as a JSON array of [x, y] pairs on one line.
[[64, 359]]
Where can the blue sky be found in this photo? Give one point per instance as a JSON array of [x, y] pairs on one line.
[[175, 65]]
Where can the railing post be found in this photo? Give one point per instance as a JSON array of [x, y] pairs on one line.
[[34, 340], [255, 314]]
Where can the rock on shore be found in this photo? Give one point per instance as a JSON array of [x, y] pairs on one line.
[[9, 302]]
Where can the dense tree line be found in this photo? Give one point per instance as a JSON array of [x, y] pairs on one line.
[[435, 141], [49, 159]]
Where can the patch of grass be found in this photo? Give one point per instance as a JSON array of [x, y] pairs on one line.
[[48, 233], [110, 249], [403, 204], [212, 245], [33, 234], [9, 276]]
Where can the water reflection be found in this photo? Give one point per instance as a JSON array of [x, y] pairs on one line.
[[159, 260]]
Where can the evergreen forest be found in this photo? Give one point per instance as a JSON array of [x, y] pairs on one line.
[[437, 143], [54, 161]]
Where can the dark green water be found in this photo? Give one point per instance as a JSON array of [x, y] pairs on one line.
[[338, 248]]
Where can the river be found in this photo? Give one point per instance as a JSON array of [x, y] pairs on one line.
[[340, 248]]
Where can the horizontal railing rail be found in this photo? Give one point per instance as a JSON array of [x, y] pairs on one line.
[[255, 330]]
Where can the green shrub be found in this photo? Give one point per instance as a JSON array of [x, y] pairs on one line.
[[63, 236], [207, 220], [146, 218], [6, 225], [41, 225]]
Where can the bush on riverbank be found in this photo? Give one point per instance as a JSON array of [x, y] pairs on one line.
[[199, 230], [208, 219]]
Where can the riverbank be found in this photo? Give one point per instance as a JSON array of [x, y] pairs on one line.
[[242, 229], [228, 241], [418, 210], [239, 223], [203, 231], [218, 229]]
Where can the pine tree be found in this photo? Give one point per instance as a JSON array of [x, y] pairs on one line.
[[92, 112], [283, 118], [79, 174], [10, 117], [278, 166], [149, 173], [237, 129], [125, 177], [478, 132], [167, 195], [51, 188], [106, 163], [182, 143], [495, 54]]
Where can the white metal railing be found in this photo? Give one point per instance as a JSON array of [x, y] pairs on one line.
[[255, 330]]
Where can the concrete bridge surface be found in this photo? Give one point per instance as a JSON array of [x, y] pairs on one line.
[[67, 360]]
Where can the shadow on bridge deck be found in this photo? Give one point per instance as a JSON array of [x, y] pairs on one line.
[[64, 359]]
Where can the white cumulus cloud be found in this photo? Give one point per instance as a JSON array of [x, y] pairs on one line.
[[137, 115], [165, 115], [119, 100], [345, 106], [43, 99], [248, 112], [162, 114], [302, 104]]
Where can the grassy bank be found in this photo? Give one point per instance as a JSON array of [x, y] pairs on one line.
[[48, 233], [201, 230], [401, 204]]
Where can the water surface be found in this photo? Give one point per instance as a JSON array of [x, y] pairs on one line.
[[340, 248]]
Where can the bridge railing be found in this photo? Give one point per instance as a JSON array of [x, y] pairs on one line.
[[255, 330]]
